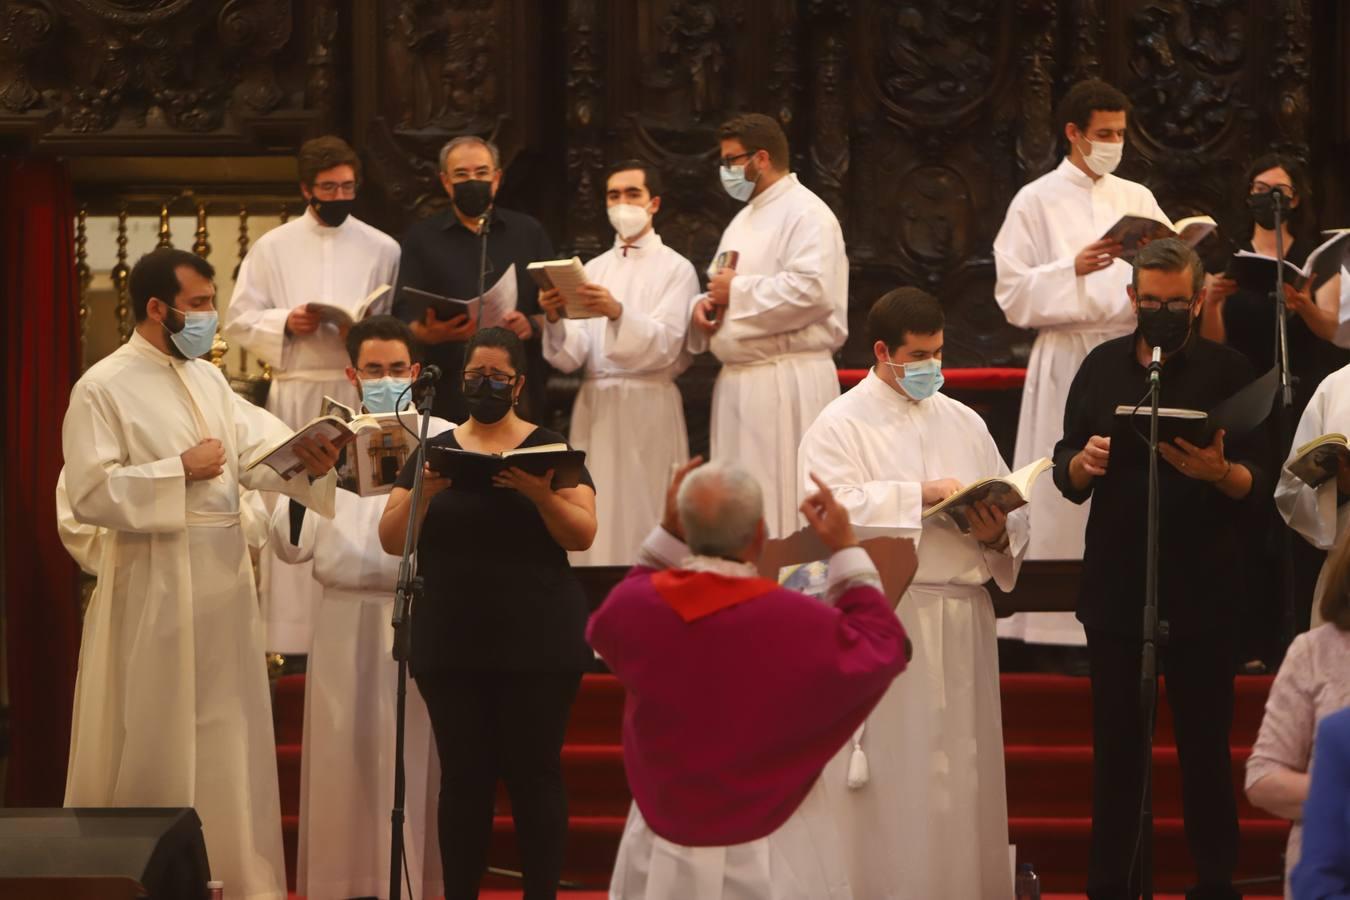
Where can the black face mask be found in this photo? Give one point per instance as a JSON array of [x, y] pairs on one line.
[[472, 198], [1262, 208], [331, 212], [1165, 329], [488, 403]]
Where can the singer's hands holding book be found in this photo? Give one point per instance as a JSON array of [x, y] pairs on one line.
[[433, 483], [719, 286], [432, 330], [302, 321], [537, 488], [988, 523], [934, 492], [1200, 463], [1096, 256], [552, 303], [318, 453]]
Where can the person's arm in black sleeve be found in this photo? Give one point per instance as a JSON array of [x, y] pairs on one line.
[[1079, 421], [411, 272]]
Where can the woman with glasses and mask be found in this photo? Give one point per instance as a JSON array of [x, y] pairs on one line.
[[498, 646], [1244, 320]]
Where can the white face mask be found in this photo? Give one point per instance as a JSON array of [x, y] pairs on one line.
[[1103, 156], [629, 220]]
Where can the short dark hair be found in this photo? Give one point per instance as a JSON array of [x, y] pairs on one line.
[[905, 310], [1085, 98], [1298, 178], [1335, 603], [156, 275], [651, 175], [501, 339], [381, 328], [756, 132], [323, 153], [1169, 255]]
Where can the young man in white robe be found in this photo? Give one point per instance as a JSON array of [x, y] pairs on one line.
[[1056, 275], [347, 762], [325, 256], [775, 317], [172, 706], [1318, 513], [628, 415], [931, 822]]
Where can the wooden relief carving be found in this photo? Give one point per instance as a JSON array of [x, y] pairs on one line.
[[94, 75]]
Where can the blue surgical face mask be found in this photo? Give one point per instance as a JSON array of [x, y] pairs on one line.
[[920, 380], [735, 183], [197, 335], [385, 395]]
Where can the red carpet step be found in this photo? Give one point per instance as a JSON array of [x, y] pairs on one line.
[[1048, 754]]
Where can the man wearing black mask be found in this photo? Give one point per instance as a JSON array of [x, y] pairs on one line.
[[1202, 490], [441, 255], [323, 258]]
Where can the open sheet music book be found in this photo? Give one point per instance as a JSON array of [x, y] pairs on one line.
[[1255, 272], [340, 317], [370, 464], [472, 471], [567, 275], [1320, 459], [339, 428], [497, 301], [1008, 492], [1132, 232]]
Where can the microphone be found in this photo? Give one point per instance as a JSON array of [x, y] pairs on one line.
[[430, 373], [1155, 367]]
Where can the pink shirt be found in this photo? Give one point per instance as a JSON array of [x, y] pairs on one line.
[[1313, 682], [730, 717]]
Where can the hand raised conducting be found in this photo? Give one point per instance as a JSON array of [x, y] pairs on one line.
[[828, 519]]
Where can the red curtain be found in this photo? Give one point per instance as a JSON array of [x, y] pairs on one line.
[[41, 582]]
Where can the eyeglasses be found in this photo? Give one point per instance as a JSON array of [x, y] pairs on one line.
[[729, 161], [1169, 305], [398, 370], [334, 188], [1260, 187], [472, 380]]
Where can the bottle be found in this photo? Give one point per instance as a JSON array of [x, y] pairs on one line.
[[215, 890], [1028, 884]]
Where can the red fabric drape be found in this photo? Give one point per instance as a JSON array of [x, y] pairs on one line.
[[41, 582]]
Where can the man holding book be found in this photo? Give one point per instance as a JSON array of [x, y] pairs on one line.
[[628, 417], [346, 773], [171, 701], [1205, 487], [1074, 296], [326, 256], [932, 822], [442, 256], [775, 316]]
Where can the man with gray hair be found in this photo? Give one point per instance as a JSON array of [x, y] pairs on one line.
[[1203, 491], [739, 692], [441, 255]]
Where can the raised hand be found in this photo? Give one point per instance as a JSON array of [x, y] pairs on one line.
[[827, 518], [670, 517]]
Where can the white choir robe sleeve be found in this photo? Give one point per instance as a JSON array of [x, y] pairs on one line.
[[567, 344], [253, 320], [280, 535], [83, 542], [794, 298], [103, 490], [875, 508], [253, 518], [255, 429], [652, 340], [696, 341], [1311, 511]]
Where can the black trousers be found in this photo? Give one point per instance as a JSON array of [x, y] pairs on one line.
[[509, 725], [1199, 675]]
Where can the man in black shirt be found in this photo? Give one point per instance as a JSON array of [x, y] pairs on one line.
[[1202, 491], [441, 255]]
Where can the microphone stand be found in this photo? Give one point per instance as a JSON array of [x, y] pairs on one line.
[[1154, 637], [407, 594], [1283, 416], [484, 226]]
